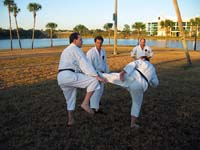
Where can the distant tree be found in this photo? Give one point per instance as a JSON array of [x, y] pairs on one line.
[[34, 7], [80, 29], [139, 27], [15, 11], [108, 27], [126, 30], [194, 24], [167, 25], [52, 26], [9, 4]]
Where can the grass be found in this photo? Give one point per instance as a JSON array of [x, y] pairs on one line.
[[33, 115]]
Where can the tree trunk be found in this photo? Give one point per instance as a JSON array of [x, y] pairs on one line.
[[33, 30], [138, 36], [166, 37], [51, 34], [195, 41], [18, 33], [178, 14], [11, 45], [109, 37]]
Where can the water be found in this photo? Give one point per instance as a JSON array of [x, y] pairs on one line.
[[39, 43]]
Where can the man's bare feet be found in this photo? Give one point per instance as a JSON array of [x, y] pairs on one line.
[[87, 108]]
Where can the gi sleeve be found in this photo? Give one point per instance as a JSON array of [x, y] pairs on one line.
[[150, 52], [84, 64], [106, 64], [133, 52], [154, 80]]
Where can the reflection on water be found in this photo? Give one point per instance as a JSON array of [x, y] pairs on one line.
[[38, 43]]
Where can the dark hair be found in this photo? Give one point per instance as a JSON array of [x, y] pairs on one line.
[[143, 39], [73, 36], [99, 37]]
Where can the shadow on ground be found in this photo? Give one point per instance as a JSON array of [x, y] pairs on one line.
[[34, 117]]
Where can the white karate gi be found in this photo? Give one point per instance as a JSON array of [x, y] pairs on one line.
[[137, 52], [73, 57], [99, 62], [134, 82]]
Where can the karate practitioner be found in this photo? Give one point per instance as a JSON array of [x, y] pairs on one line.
[[142, 49], [75, 71], [97, 57], [136, 77]]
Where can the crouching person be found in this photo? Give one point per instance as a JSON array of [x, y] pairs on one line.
[[136, 77], [74, 72]]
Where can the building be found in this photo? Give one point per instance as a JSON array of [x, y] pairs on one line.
[[155, 28]]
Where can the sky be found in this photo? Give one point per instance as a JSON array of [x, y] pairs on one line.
[[95, 13]]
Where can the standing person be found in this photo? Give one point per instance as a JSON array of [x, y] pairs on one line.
[[136, 76], [74, 72], [97, 57], [142, 49]]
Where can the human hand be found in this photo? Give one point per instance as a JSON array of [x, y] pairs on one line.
[[104, 80], [121, 75]]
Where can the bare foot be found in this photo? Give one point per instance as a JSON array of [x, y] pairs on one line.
[[70, 122], [135, 126], [87, 108]]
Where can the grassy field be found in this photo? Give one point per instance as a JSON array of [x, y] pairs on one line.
[[33, 115]]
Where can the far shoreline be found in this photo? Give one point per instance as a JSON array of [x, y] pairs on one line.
[[58, 49]]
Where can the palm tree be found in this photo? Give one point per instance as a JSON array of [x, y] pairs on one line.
[[195, 23], [81, 29], [138, 26], [167, 24], [51, 26], [9, 4], [34, 7], [126, 30], [16, 10], [178, 14], [108, 27]]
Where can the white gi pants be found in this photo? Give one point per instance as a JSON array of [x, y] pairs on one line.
[[96, 97], [137, 92], [133, 85], [69, 82]]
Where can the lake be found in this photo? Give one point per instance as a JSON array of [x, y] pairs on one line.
[[39, 43]]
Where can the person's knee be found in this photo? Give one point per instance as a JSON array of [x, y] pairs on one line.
[[94, 85]]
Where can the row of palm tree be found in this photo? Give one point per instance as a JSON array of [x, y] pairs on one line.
[[12, 7], [32, 7]]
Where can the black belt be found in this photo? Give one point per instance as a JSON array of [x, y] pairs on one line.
[[142, 75], [66, 69]]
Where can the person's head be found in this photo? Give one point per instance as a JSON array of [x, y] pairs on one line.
[[144, 58], [142, 42], [98, 40], [75, 38]]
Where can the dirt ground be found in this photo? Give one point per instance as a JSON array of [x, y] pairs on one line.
[[33, 109]]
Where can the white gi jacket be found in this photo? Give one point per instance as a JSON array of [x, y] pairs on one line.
[[137, 52], [98, 60], [74, 58]]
